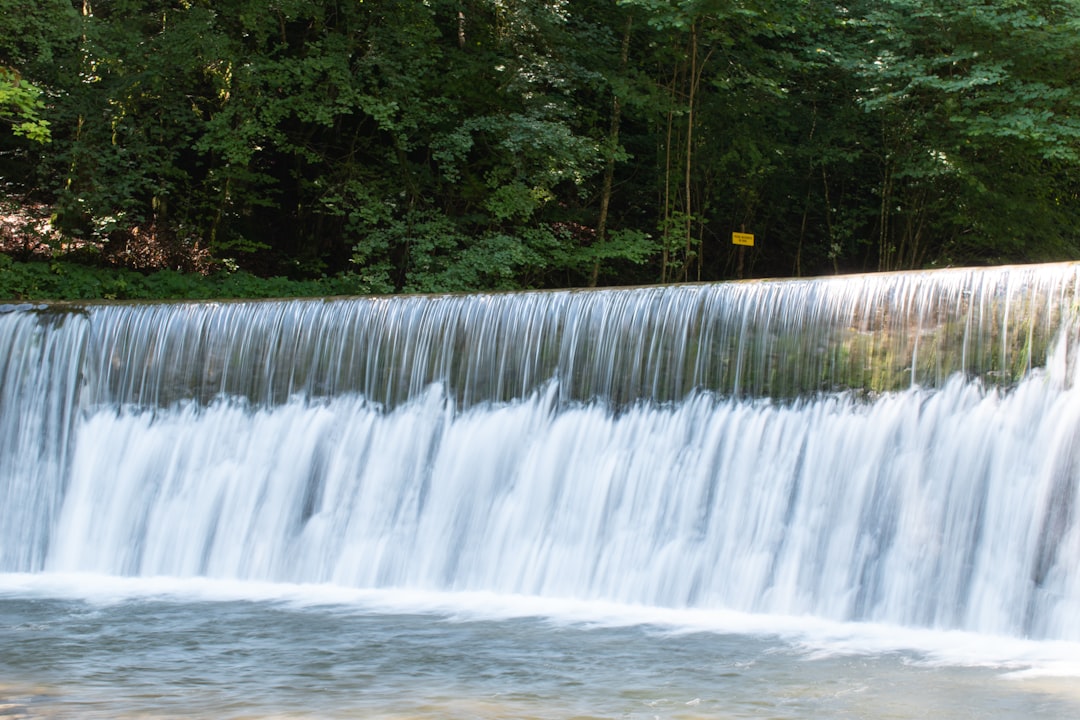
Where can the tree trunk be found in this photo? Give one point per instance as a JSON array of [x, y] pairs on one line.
[[613, 142], [665, 237], [690, 146]]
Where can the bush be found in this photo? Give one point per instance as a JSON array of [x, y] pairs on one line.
[[59, 280]]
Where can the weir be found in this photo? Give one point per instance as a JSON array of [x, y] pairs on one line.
[[901, 448]]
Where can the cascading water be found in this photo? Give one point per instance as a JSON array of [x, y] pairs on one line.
[[41, 357], [901, 448]]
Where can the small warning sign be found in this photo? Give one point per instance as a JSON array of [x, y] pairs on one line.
[[738, 238]]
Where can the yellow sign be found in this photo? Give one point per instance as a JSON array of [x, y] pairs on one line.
[[742, 239]]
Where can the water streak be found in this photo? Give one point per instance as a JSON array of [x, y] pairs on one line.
[[41, 356], [899, 449], [778, 339]]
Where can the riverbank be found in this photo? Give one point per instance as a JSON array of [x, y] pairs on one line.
[[63, 280], [37, 262]]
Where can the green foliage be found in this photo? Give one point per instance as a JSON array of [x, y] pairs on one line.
[[464, 144], [979, 113], [21, 106], [59, 280]]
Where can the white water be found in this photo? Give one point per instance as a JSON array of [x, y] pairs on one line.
[[945, 509], [617, 447]]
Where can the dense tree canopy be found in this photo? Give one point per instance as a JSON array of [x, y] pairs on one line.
[[465, 144]]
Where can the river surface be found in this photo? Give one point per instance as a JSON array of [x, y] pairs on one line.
[[96, 647]]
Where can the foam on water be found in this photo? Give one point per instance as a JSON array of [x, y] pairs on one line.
[[813, 637], [945, 509]]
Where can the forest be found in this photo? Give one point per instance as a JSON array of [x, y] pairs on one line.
[[387, 146]]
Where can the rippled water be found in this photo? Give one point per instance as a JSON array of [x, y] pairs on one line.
[[89, 647]]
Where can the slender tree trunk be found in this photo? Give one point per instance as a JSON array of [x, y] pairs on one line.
[[461, 26], [701, 243], [834, 251], [884, 240], [742, 256], [87, 11], [697, 69], [613, 142], [797, 271], [690, 146], [910, 250], [806, 205], [666, 231], [216, 222], [884, 252]]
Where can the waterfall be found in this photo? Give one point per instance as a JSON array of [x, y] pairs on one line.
[[41, 355], [902, 448]]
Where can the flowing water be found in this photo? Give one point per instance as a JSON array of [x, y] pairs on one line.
[[850, 497]]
